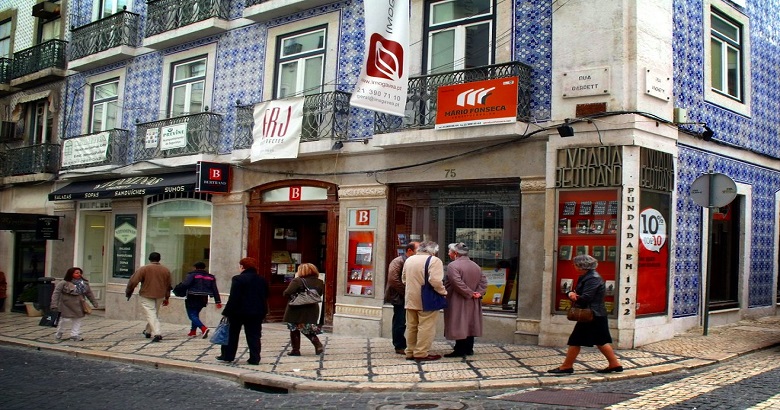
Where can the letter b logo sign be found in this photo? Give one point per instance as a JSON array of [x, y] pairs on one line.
[[362, 216]]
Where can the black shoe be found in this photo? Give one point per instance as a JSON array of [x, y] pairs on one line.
[[455, 354], [557, 370], [253, 362], [156, 339], [224, 359], [470, 353], [616, 369], [148, 335]]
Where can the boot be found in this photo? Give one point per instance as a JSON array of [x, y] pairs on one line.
[[318, 349], [191, 333], [295, 343]]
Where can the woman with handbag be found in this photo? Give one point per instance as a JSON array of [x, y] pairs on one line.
[[304, 318], [589, 293], [68, 299]]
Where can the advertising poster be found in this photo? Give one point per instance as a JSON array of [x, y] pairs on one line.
[[653, 263], [277, 130], [125, 233], [88, 149], [477, 103]]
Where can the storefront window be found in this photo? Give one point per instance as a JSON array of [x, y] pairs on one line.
[[486, 218], [180, 230]]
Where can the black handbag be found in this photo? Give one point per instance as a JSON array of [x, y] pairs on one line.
[[431, 299], [50, 319]]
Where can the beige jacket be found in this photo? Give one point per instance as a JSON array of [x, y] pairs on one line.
[[414, 276], [155, 280]]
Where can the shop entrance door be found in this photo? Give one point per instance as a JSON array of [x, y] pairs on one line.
[[29, 265], [93, 259]]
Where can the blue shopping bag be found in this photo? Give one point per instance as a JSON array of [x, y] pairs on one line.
[[221, 333]]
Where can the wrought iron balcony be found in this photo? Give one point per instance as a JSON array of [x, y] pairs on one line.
[[264, 10], [50, 54], [421, 99], [175, 137], [96, 149], [33, 159], [324, 117], [120, 29], [5, 70], [166, 15]]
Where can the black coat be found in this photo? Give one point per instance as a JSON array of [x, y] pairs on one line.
[[590, 292], [248, 296]]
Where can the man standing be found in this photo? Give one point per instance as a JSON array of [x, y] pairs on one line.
[[465, 286], [420, 324], [155, 280], [394, 295]]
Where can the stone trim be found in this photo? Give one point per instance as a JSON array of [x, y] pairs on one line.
[[359, 310], [532, 185], [362, 191]]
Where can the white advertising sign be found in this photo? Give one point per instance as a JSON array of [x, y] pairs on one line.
[[652, 229], [384, 76], [88, 149], [152, 138], [277, 129], [174, 136]]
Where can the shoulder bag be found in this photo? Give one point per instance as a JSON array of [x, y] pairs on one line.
[[431, 299], [85, 306], [576, 314], [306, 297]]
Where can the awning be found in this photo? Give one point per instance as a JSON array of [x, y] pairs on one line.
[[126, 187]]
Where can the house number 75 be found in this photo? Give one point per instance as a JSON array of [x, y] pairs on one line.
[[449, 173]]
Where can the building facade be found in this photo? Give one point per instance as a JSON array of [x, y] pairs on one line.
[[611, 123]]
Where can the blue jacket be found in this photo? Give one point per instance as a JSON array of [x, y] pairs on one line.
[[201, 283]]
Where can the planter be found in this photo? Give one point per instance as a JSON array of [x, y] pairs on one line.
[[31, 310]]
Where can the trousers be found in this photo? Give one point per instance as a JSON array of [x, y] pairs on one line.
[[420, 331]]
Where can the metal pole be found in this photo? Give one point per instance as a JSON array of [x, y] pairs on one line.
[[710, 181]]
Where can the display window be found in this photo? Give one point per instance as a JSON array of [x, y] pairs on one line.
[[588, 223], [486, 217], [652, 279], [360, 263], [180, 230]]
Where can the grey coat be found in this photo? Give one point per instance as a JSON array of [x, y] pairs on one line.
[[303, 313], [463, 315], [67, 300]]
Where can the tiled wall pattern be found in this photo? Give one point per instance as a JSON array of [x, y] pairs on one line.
[[758, 134], [25, 27]]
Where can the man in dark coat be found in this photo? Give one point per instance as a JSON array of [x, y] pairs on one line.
[[465, 284], [395, 291], [247, 306], [199, 285]]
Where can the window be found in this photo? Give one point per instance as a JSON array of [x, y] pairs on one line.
[[188, 84], [37, 122], [5, 39], [300, 63], [49, 29], [459, 34], [726, 56], [104, 106], [107, 8]]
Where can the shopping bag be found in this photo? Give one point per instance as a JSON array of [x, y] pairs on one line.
[[50, 319], [221, 333], [431, 299]]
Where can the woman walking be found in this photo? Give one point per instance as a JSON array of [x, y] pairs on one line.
[[589, 293], [304, 318], [67, 299]]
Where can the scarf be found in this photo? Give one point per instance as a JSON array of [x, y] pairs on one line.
[[81, 286]]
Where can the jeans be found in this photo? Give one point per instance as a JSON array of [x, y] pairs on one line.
[[194, 314], [399, 327]]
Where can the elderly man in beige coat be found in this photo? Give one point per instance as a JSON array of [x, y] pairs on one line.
[[420, 324]]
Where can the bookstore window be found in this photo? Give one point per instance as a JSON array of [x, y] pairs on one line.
[[486, 218]]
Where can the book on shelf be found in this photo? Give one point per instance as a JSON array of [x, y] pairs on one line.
[[356, 274], [612, 208], [564, 253], [402, 241], [355, 289], [368, 290], [368, 274], [599, 207], [597, 226], [581, 250], [564, 226], [569, 207], [363, 253], [613, 226], [586, 207], [611, 253], [583, 225], [599, 252]]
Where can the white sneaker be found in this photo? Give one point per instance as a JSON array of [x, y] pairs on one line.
[[58, 336], [76, 338]]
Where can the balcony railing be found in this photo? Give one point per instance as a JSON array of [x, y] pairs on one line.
[[324, 117], [50, 54], [174, 137], [33, 159], [5, 70], [249, 3], [120, 29], [421, 99], [166, 15], [88, 150]]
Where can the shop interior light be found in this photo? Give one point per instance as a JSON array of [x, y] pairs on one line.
[[197, 222]]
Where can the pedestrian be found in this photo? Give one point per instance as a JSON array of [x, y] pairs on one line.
[[465, 284], [155, 280], [303, 319], [199, 285], [589, 293], [67, 299], [395, 291], [247, 306], [420, 324], [3, 290]]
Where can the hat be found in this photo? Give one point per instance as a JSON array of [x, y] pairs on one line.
[[460, 248], [199, 265]]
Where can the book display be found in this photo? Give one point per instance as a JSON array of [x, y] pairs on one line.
[[360, 263], [588, 224]]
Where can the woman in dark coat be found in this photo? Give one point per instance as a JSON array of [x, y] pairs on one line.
[[247, 306], [589, 293], [304, 318], [67, 298]]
